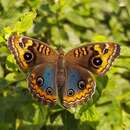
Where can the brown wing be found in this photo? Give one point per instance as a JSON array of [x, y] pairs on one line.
[[30, 52], [96, 57]]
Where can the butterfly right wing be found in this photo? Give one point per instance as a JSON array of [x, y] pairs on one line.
[[79, 86], [96, 57]]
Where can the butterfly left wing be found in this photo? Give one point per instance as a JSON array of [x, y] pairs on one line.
[[30, 52], [41, 83], [96, 57], [79, 86]]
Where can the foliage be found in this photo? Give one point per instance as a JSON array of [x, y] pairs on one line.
[[67, 23]]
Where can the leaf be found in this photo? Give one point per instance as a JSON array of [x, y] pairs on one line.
[[14, 77], [7, 4], [1, 71], [126, 119], [112, 115], [25, 22], [101, 83], [67, 119], [58, 36], [72, 36], [22, 84], [3, 83], [2, 39], [126, 106], [34, 3], [11, 63], [90, 114], [22, 25], [99, 38], [41, 114], [79, 20], [4, 51]]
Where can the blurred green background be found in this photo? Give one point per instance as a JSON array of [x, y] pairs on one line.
[[68, 23]]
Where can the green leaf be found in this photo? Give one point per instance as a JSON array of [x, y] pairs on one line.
[[1, 71], [79, 20], [72, 36], [90, 115], [99, 38], [67, 119], [2, 39], [25, 22], [112, 115], [3, 83], [101, 83], [11, 63], [4, 51], [34, 3], [126, 106], [14, 77], [7, 4], [41, 114], [22, 84]]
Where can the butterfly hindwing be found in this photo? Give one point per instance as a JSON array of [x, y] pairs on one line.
[[96, 57], [41, 83], [79, 86], [30, 52]]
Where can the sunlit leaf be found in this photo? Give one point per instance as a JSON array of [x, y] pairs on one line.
[[1, 71], [11, 63], [14, 77]]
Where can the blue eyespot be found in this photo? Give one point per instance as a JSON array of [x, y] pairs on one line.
[[81, 85], [70, 92], [49, 91], [40, 81]]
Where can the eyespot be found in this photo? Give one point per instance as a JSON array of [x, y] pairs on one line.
[[70, 92], [81, 85], [28, 56], [49, 91], [105, 50], [96, 61], [40, 81]]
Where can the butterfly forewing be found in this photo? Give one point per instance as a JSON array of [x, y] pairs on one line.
[[30, 52], [96, 57]]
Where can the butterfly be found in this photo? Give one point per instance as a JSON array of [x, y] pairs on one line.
[[57, 77]]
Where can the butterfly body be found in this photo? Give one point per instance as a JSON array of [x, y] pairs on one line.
[[60, 70], [55, 76]]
